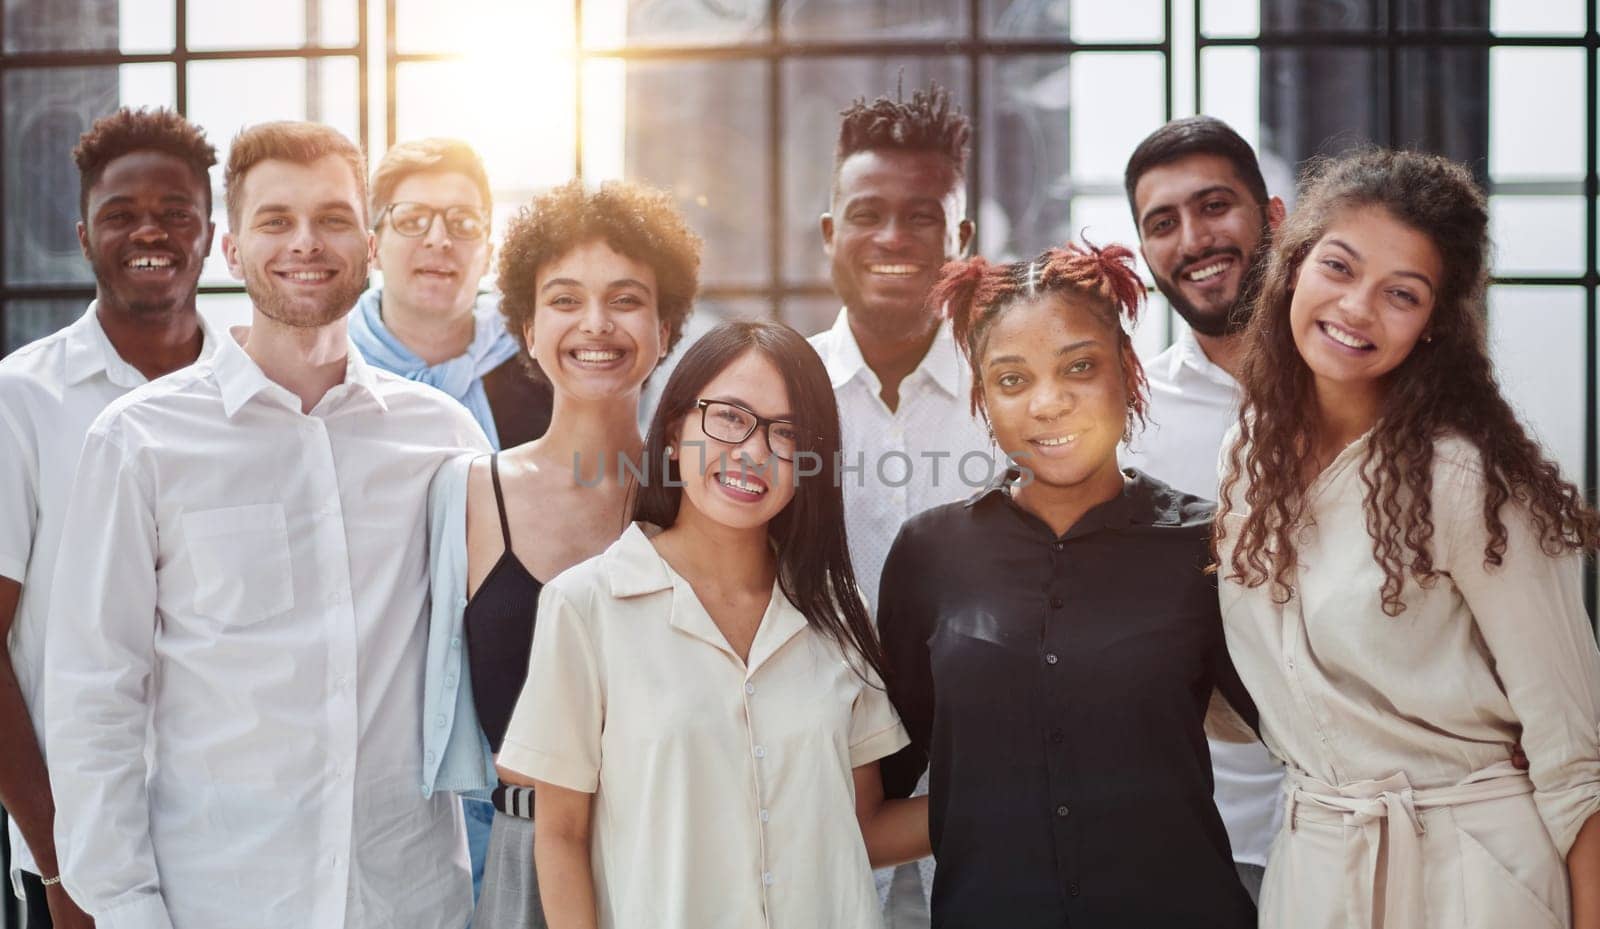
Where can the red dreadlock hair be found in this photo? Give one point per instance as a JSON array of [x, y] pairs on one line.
[[975, 292]]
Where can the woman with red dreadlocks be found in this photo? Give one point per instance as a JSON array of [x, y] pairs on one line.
[[1400, 577], [1053, 643]]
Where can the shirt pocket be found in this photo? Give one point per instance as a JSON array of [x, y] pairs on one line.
[[240, 556]]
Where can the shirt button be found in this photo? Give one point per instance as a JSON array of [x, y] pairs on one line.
[[1058, 546], [1057, 603], [462, 603], [1058, 736], [450, 680], [429, 758], [766, 816], [766, 878], [1062, 810], [1050, 658], [761, 751], [455, 640], [750, 688], [439, 720], [1072, 889]]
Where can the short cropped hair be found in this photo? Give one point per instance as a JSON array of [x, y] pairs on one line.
[[928, 122], [635, 220], [1195, 135], [428, 156], [134, 130], [297, 142]]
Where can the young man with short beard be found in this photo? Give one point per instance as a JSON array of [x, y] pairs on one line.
[[1205, 220], [144, 203], [431, 209], [898, 213], [246, 608]]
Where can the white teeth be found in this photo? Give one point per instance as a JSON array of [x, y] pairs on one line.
[[147, 262], [1060, 440], [1344, 338], [309, 277], [596, 355], [901, 269], [1208, 272], [738, 484]]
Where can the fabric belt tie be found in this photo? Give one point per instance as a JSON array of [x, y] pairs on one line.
[[1391, 807]]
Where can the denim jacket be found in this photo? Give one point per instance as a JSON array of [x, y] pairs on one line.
[[455, 752]]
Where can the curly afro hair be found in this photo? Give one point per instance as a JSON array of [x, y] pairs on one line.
[[634, 220], [137, 130], [928, 122]]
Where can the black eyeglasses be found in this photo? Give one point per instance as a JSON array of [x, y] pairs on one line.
[[413, 220], [733, 424]]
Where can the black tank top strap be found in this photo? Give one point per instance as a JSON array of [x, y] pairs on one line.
[[500, 500]]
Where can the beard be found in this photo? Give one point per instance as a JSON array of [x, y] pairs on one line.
[[1236, 316], [272, 299]]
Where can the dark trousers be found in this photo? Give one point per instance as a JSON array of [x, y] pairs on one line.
[[35, 910]]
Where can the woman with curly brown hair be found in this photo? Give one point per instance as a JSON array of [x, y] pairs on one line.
[[595, 286], [1400, 579], [1053, 642]]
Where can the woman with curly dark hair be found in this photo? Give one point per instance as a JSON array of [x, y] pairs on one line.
[[1053, 643], [595, 286], [1400, 577]]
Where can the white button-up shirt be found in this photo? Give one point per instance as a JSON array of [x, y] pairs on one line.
[[928, 451], [50, 391], [1193, 403], [251, 582], [723, 789]]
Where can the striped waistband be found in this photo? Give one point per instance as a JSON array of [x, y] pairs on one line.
[[513, 801]]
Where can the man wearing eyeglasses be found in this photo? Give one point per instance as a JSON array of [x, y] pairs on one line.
[[430, 212]]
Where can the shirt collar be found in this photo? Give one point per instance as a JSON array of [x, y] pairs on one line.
[[89, 351], [942, 364], [239, 378], [1143, 501], [633, 566], [1191, 355]]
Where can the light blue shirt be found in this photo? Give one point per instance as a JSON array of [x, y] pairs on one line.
[[455, 752]]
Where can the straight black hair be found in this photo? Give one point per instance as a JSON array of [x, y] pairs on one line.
[[814, 568], [1195, 135]]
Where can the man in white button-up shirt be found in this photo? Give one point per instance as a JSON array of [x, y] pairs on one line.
[[145, 229], [910, 439], [235, 653], [1204, 220]]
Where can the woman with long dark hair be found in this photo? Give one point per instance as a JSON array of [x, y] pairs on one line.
[[1053, 643], [596, 285], [1401, 589], [704, 714]]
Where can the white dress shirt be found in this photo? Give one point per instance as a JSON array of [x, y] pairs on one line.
[[903, 461], [246, 608], [50, 391], [724, 794], [1193, 403]]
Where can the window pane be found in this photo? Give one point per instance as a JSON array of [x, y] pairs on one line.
[[46, 111], [1289, 16], [1536, 113], [1027, 187], [1103, 220], [1229, 18], [226, 96], [224, 310], [225, 24], [88, 25], [31, 320], [1151, 335], [1537, 235], [1536, 339], [814, 91], [1453, 122], [491, 28], [874, 19], [1107, 127], [1230, 89], [616, 23], [1536, 17], [1320, 101], [719, 171], [1079, 20], [810, 315]]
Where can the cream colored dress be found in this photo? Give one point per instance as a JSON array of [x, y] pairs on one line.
[[1402, 809]]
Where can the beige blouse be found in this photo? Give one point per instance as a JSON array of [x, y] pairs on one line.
[[723, 789], [1482, 659]]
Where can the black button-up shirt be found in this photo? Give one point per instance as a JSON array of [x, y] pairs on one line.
[[1059, 686]]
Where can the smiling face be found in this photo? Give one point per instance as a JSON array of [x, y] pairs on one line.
[[433, 274], [896, 219], [736, 485], [1201, 233], [596, 330], [147, 233], [1362, 298], [1055, 392], [301, 248]]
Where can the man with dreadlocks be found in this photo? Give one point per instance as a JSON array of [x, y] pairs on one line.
[[144, 204], [1052, 644], [898, 213]]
